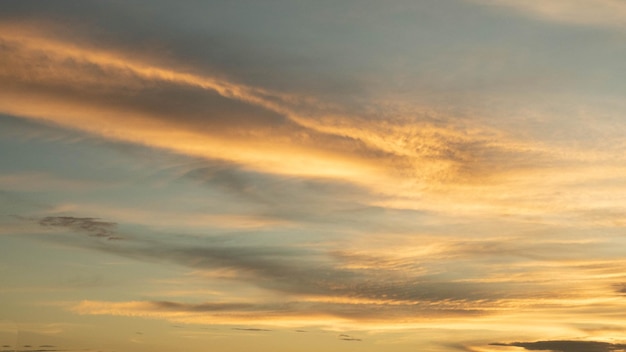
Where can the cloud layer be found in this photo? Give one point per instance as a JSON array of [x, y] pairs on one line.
[[407, 175]]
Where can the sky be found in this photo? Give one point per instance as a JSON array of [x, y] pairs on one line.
[[299, 175]]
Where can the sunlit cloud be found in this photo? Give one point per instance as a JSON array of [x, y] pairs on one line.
[[66, 63], [348, 288], [422, 164]]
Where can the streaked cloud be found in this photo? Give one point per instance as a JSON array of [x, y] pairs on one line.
[[414, 156], [60, 93], [315, 285]]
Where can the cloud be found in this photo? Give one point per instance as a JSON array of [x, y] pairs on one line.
[[92, 226], [444, 279], [345, 337], [307, 272], [412, 160], [251, 329], [387, 213], [620, 288], [567, 346], [31, 348], [313, 293], [295, 201], [119, 96], [315, 283], [292, 313], [216, 118], [597, 13]]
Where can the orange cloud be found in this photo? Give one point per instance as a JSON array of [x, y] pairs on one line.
[[426, 164]]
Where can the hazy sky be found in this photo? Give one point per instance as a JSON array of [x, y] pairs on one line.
[[295, 175]]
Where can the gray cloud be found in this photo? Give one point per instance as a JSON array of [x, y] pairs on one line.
[[296, 308], [346, 337], [297, 271], [307, 272], [317, 206], [567, 346], [91, 226], [205, 307], [208, 43], [306, 200]]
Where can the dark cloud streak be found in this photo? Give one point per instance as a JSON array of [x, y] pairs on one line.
[[251, 329], [567, 346], [346, 337], [91, 226]]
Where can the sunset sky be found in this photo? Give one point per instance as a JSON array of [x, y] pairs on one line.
[[313, 175]]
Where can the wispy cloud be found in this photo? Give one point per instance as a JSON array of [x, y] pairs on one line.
[[286, 129], [92, 226], [413, 161], [317, 284], [597, 13]]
